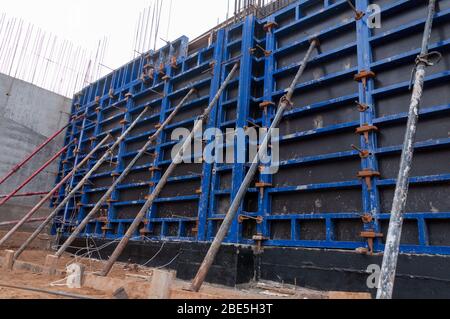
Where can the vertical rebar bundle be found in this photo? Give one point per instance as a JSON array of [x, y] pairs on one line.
[[35, 56]]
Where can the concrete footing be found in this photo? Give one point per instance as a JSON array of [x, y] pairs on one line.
[[8, 261], [51, 264], [161, 284]]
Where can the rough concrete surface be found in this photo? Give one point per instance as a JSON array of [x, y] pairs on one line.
[[28, 116]]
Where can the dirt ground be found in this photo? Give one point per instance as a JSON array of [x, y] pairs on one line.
[[26, 279], [124, 271], [139, 276]]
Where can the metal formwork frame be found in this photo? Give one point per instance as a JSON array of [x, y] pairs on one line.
[[298, 20]]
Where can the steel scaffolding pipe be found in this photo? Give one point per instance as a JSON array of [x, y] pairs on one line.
[[29, 157], [285, 102], [83, 181], [53, 191], [124, 174], [33, 176], [390, 259], [178, 159]]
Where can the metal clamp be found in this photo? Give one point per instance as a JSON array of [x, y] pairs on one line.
[[361, 106], [365, 130], [174, 62], [124, 122], [266, 104], [429, 59], [367, 175], [161, 69], [371, 236], [362, 153], [363, 76], [263, 186], [242, 218], [268, 27], [266, 53], [367, 218], [259, 239], [358, 14]]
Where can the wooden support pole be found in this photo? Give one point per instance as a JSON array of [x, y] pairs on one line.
[[176, 161], [119, 180], [389, 268], [285, 102]]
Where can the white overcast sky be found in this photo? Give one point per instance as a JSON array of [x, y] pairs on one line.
[[85, 22]]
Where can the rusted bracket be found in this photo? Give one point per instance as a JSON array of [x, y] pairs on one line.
[[366, 130], [368, 175], [124, 122], [212, 65], [266, 53], [98, 109], [128, 96], [198, 191], [115, 174], [362, 153], [144, 232], [111, 94], [262, 187], [242, 218], [161, 69], [367, 218], [361, 106], [371, 236], [106, 227], [265, 104], [358, 14], [153, 170], [363, 76], [174, 62], [195, 229], [102, 219], [97, 100], [268, 27], [165, 78], [259, 239]]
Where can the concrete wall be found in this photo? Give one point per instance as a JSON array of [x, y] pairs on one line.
[[28, 116]]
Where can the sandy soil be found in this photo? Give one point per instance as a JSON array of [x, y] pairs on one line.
[[124, 271]]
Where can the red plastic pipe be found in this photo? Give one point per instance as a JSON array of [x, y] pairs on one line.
[[37, 150], [36, 173], [32, 220], [26, 194]]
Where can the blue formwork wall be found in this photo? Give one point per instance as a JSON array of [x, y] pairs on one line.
[[320, 197]]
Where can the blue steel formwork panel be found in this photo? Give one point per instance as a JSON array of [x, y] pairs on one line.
[[317, 199]]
